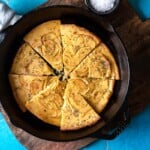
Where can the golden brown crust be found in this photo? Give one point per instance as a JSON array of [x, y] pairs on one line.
[[106, 52], [46, 40], [24, 87], [46, 105], [77, 43], [28, 62]]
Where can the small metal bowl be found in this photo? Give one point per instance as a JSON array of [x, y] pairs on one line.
[[90, 6]]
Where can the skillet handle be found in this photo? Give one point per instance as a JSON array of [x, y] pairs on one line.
[[120, 127]]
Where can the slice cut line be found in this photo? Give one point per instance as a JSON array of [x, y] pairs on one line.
[[98, 64], [45, 39], [28, 62], [97, 92], [47, 104], [24, 87], [77, 113], [77, 43]]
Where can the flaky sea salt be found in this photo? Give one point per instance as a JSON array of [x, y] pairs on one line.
[[102, 5]]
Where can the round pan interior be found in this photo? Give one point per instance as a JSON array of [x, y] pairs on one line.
[[66, 14]]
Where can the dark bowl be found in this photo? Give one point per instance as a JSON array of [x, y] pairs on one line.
[[66, 14], [89, 5]]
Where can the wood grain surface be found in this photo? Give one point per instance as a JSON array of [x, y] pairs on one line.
[[135, 35]]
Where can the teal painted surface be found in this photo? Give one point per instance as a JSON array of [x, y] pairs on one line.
[[142, 7], [135, 137], [7, 139], [23, 6]]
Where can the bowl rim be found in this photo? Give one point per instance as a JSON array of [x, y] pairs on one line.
[[89, 5]]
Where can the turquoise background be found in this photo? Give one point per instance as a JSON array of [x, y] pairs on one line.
[[7, 139], [135, 137], [23, 6], [142, 7]]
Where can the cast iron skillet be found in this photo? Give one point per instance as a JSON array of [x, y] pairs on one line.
[[67, 14]]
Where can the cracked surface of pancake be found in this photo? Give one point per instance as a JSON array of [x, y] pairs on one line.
[[46, 40], [47, 104], [28, 62], [77, 43]]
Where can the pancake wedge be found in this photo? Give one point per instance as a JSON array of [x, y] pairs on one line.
[[47, 104], [24, 87], [97, 92], [28, 62], [77, 43], [45, 39], [97, 65], [77, 113]]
